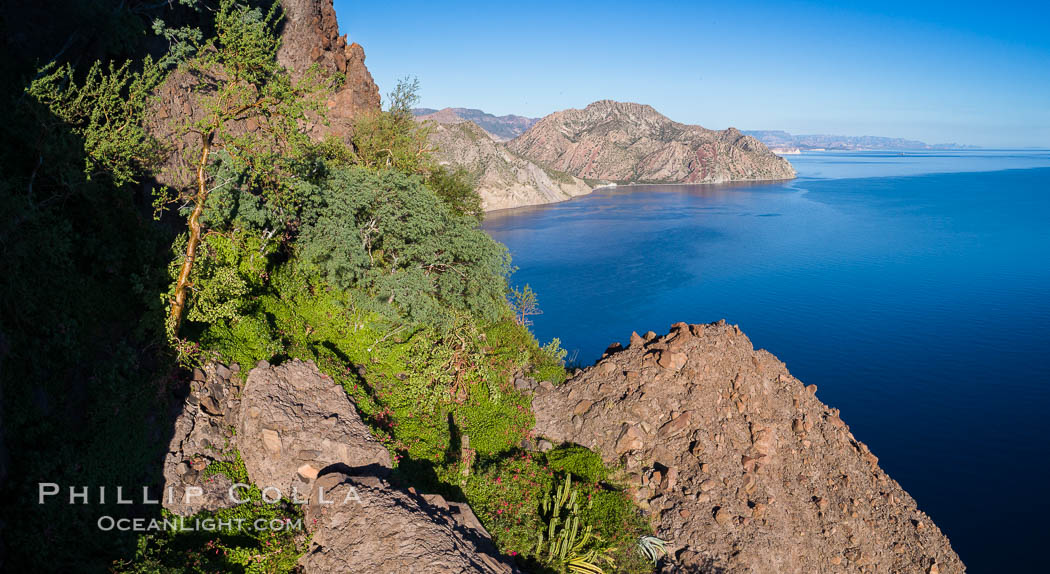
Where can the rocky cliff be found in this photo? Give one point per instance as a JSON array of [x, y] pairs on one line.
[[309, 36], [503, 178], [741, 466], [626, 142]]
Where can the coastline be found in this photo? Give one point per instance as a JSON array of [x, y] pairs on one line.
[[640, 184]]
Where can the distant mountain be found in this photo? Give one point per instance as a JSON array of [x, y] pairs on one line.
[[782, 140], [626, 142], [501, 128], [503, 178]]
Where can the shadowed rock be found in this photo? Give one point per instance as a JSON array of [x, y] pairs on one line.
[[361, 524]]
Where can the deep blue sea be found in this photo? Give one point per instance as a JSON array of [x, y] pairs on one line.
[[913, 289]]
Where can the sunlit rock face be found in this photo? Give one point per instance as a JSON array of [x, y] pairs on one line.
[[741, 466], [626, 142]]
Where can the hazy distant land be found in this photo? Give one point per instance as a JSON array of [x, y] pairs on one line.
[[781, 141], [508, 127]]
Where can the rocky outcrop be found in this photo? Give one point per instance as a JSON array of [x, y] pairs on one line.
[[502, 178], [202, 434], [361, 524], [741, 466], [633, 143], [300, 437], [309, 36], [501, 128], [295, 422]]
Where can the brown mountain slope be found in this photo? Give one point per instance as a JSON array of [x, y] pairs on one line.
[[501, 128], [626, 142], [742, 468], [503, 178]]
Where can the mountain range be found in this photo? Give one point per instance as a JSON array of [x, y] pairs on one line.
[[569, 152], [633, 143], [781, 140], [501, 128], [502, 178]]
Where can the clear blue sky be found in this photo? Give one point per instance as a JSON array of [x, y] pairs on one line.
[[964, 72]]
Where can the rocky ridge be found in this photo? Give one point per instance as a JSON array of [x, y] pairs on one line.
[[503, 179], [311, 36], [633, 143], [742, 468]]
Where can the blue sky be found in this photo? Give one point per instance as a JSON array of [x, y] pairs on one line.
[[964, 72]]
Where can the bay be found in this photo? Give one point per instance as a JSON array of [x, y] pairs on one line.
[[913, 288]]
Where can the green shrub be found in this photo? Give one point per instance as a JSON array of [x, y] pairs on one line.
[[579, 461], [387, 234], [516, 344], [456, 189], [507, 493]]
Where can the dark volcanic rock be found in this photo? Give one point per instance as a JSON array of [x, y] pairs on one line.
[[298, 433], [741, 466], [201, 434], [311, 36]]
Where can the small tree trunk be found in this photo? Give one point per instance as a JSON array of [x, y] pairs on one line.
[[178, 304]]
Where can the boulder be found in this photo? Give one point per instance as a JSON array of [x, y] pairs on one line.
[[360, 524], [294, 422]]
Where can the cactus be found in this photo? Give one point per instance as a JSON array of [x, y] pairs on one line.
[[566, 543]]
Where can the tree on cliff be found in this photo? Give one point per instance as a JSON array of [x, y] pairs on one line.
[[392, 139], [249, 114]]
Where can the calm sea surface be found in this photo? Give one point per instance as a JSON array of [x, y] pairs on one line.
[[913, 290]]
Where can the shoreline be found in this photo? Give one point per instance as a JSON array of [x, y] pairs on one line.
[[637, 184], [732, 181]]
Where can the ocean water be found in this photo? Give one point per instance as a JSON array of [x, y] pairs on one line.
[[913, 289]]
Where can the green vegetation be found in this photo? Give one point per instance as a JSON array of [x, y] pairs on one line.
[[524, 501], [559, 176], [524, 303], [652, 548], [261, 537], [237, 80], [566, 546], [366, 258]]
